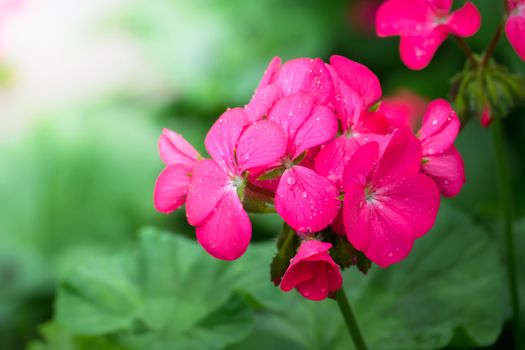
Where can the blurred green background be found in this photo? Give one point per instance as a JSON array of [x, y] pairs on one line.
[[85, 89]]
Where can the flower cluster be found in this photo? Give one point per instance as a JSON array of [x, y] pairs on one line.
[[313, 144]]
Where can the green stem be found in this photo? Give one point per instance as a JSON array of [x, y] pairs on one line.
[[466, 49], [506, 197], [492, 45], [350, 320], [287, 242]]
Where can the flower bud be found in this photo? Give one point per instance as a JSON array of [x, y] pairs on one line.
[[485, 92], [312, 271]]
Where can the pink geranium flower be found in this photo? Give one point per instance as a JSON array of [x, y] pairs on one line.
[[214, 204], [312, 271], [515, 26], [172, 184], [388, 203], [441, 161], [306, 200], [437, 133], [357, 89], [423, 26]]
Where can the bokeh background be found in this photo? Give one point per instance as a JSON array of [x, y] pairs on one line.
[[87, 86]]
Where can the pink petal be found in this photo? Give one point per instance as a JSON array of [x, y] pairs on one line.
[[261, 102], [447, 170], [223, 137], [372, 122], [338, 226], [310, 250], [414, 197], [291, 112], [417, 51], [316, 288], [402, 156], [440, 128], [464, 21], [319, 82], [305, 200], [442, 6], [296, 274], [293, 74], [515, 30], [360, 166], [318, 129], [347, 102], [174, 149], [332, 159], [357, 216], [271, 72], [357, 77], [402, 17], [171, 188], [404, 108], [206, 189], [391, 238], [261, 144], [227, 232]]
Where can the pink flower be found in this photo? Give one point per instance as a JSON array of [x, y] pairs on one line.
[[441, 161], [388, 203], [515, 26], [423, 26], [214, 202], [312, 271], [357, 89], [306, 200], [439, 128], [172, 184], [404, 108]]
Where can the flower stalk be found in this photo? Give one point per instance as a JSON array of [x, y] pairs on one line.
[[350, 320], [507, 208]]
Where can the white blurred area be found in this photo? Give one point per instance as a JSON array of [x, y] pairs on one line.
[[59, 52]]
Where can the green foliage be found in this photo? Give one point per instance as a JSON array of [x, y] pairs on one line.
[[72, 187], [169, 295], [448, 290]]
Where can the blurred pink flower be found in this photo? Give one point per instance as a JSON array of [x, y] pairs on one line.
[[404, 108], [515, 26], [423, 26], [388, 203], [312, 271]]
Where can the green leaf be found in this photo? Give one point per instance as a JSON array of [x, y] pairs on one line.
[[272, 174], [57, 338], [97, 297], [451, 284], [169, 294]]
